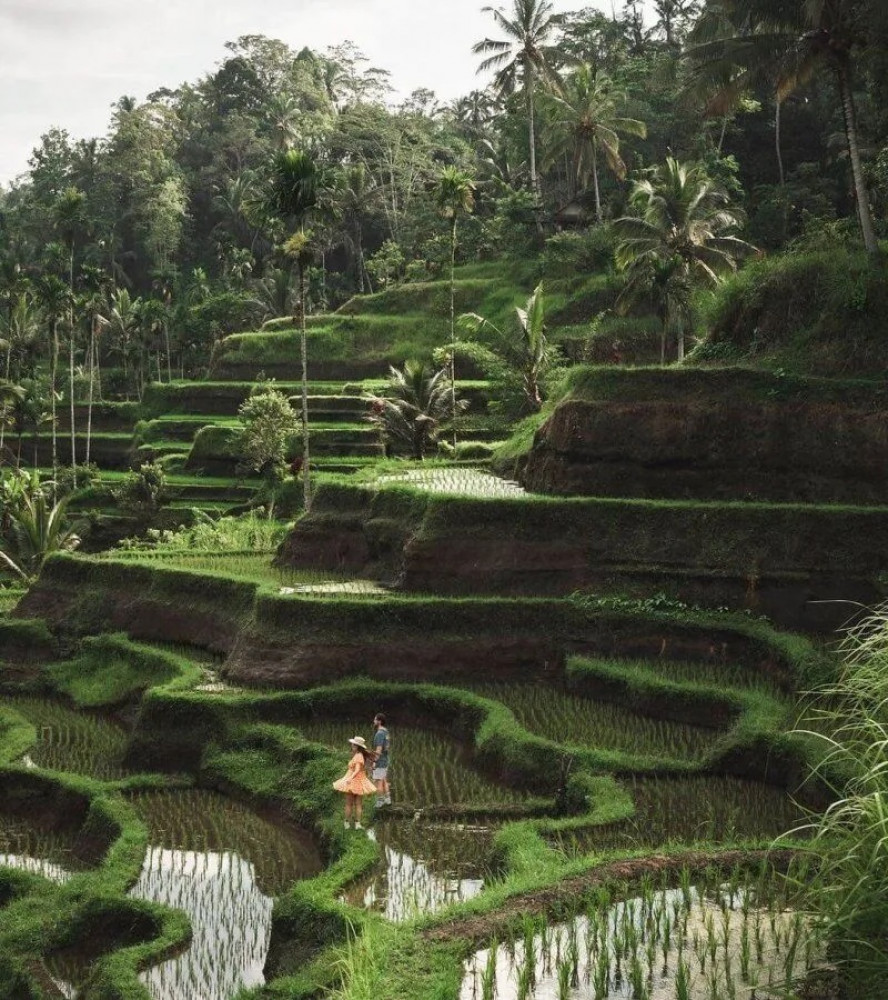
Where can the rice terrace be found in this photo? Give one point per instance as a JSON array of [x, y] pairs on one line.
[[444, 533]]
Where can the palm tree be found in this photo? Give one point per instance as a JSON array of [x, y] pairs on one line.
[[10, 395], [786, 44], [69, 219], [296, 194], [586, 124], [37, 530], [521, 57], [123, 325], [415, 404], [356, 192], [455, 194], [529, 354], [53, 295], [680, 236]]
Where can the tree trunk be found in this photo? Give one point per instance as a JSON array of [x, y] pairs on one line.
[[777, 139], [863, 206], [453, 328], [71, 407], [166, 340], [531, 127], [53, 373], [71, 361], [598, 214], [306, 467], [92, 387]]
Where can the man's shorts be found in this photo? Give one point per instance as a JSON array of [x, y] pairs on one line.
[[380, 773]]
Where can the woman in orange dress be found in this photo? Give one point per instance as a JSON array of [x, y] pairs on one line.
[[355, 784]]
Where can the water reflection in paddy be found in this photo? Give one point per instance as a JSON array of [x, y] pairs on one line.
[[221, 863], [425, 866]]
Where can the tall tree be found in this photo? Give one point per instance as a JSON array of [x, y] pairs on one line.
[[681, 235], [70, 217], [787, 44], [296, 194], [53, 295], [587, 124], [522, 57], [455, 194]]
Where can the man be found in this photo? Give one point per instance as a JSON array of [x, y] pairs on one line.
[[381, 746]]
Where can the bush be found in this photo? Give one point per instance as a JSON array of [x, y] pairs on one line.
[[143, 493], [823, 311], [569, 254]]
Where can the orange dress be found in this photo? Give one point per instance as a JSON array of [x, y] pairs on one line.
[[355, 780]]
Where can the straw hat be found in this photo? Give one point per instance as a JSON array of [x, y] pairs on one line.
[[358, 741]]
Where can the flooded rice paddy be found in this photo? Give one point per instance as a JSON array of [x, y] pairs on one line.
[[565, 717], [427, 769], [717, 942], [77, 742], [222, 864], [691, 809], [424, 867]]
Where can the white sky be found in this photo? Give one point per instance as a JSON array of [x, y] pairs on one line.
[[63, 62]]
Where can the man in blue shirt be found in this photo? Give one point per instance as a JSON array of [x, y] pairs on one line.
[[381, 747]]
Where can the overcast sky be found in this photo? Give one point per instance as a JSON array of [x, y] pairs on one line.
[[63, 62]]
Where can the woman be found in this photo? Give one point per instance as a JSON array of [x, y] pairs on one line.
[[355, 784]]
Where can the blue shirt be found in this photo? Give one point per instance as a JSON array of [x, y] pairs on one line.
[[381, 744]]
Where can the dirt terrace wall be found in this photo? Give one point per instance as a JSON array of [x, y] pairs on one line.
[[713, 449], [81, 596], [284, 641], [797, 563]]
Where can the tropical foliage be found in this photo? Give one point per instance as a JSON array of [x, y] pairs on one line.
[[416, 405]]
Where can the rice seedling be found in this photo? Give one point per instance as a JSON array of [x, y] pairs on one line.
[[36, 844], [452, 480], [569, 718], [427, 769], [690, 809], [200, 822], [230, 920], [614, 963], [73, 741]]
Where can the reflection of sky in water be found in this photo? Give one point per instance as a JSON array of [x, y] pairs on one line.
[[427, 878], [230, 918], [36, 866], [580, 944]]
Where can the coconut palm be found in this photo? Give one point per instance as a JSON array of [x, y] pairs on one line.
[[455, 194], [528, 354], [123, 326], [680, 236], [296, 194], [53, 295], [521, 57], [586, 126], [36, 531], [416, 403], [787, 44]]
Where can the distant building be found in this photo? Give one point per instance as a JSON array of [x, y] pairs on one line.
[[573, 215]]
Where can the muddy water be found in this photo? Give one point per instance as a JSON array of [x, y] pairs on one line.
[[221, 863], [425, 866]]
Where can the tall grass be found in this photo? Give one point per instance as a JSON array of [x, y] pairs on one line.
[[850, 717]]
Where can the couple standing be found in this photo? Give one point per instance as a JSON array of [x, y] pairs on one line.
[[355, 784]]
